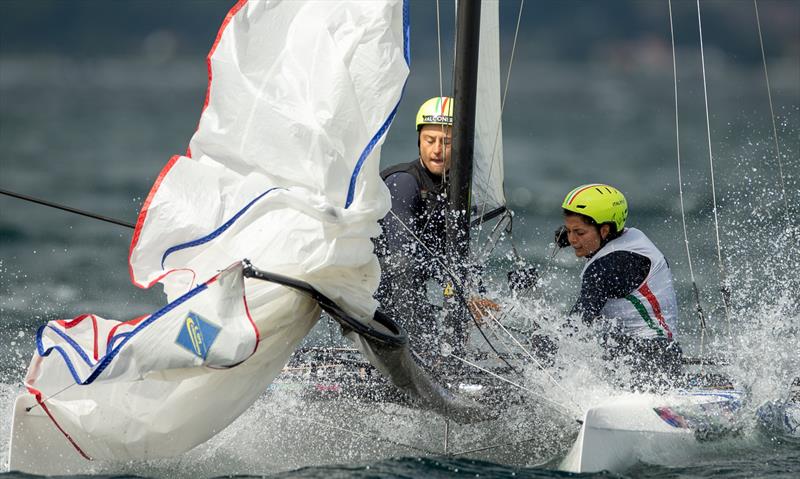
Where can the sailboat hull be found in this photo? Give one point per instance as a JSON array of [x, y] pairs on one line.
[[653, 429], [34, 436]]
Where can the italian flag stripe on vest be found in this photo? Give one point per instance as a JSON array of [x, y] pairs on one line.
[[648, 295]]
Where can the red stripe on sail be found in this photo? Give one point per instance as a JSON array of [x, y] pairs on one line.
[[651, 298], [233, 11], [67, 324], [143, 213], [38, 395], [253, 323], [132, 322]]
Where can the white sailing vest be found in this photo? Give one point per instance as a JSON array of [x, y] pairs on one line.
[[651, 310]]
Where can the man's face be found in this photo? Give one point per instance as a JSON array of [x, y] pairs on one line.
[[434, 148]]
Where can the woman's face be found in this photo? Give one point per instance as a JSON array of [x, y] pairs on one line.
[[584, 238]]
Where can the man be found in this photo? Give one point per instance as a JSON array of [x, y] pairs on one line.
[[626, 284], [412, 244]]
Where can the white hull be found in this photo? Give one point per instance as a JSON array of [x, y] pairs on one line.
[[648, 428], [36, 444]]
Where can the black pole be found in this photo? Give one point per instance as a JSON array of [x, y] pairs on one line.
[[465, 95], [67, 208], [460, 173]]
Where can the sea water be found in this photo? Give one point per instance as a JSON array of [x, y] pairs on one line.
[[93, 134]]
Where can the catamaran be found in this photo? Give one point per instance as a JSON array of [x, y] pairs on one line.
[[266, 222]]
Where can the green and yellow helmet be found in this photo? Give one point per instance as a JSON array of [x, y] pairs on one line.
[[436, 111], [602, 203]]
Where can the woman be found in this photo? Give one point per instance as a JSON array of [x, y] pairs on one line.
[[626, 284]]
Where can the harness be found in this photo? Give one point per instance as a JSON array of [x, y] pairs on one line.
[[431, 213]]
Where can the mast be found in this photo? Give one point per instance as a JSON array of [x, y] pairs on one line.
[[460, 175]]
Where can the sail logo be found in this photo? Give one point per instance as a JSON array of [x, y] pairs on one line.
[[197, 335]]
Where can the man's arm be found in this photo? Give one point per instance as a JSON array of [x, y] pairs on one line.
[[612, 276]]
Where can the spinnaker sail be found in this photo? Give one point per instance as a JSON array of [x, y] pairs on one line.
[[283, 170]]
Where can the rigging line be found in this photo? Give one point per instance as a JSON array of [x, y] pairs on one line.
[[554, 404], [439, 47], [446, 434], [535, 361], [39, 403], [480, 330], [500, 339], [433, 255], [67, 208], [456, 280], [354, 433], [698, 307], [445, 178], [441, 94], [723, 276], [494, 237], [503, 104], [772, 116]]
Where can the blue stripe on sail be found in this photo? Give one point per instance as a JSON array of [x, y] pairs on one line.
[[385, 126], [406, 32], [116, 337], [216, 232], [42, 352], [109, 356], [77, 347], [103, 364]]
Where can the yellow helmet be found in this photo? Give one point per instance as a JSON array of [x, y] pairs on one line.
[[436, 111], [602, 203]]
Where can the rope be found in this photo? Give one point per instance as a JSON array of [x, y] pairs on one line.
[[491, 240], [698, 307], [57, 206], [439, 48], [554, 404], [725, 287], [460, 286], [433, 255], [535, 361], [441, 94], [772, 117], [52, 396]]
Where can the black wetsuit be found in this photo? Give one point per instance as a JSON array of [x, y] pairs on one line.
[[655, 362], [412, 241], [612, 276]]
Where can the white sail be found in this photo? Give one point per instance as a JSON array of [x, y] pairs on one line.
[[487, 177], [283, 170]]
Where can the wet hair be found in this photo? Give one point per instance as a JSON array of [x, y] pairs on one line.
[[612, 231]]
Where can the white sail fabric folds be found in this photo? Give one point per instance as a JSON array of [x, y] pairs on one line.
[[487, 177], [283, 170], [208, 326]]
